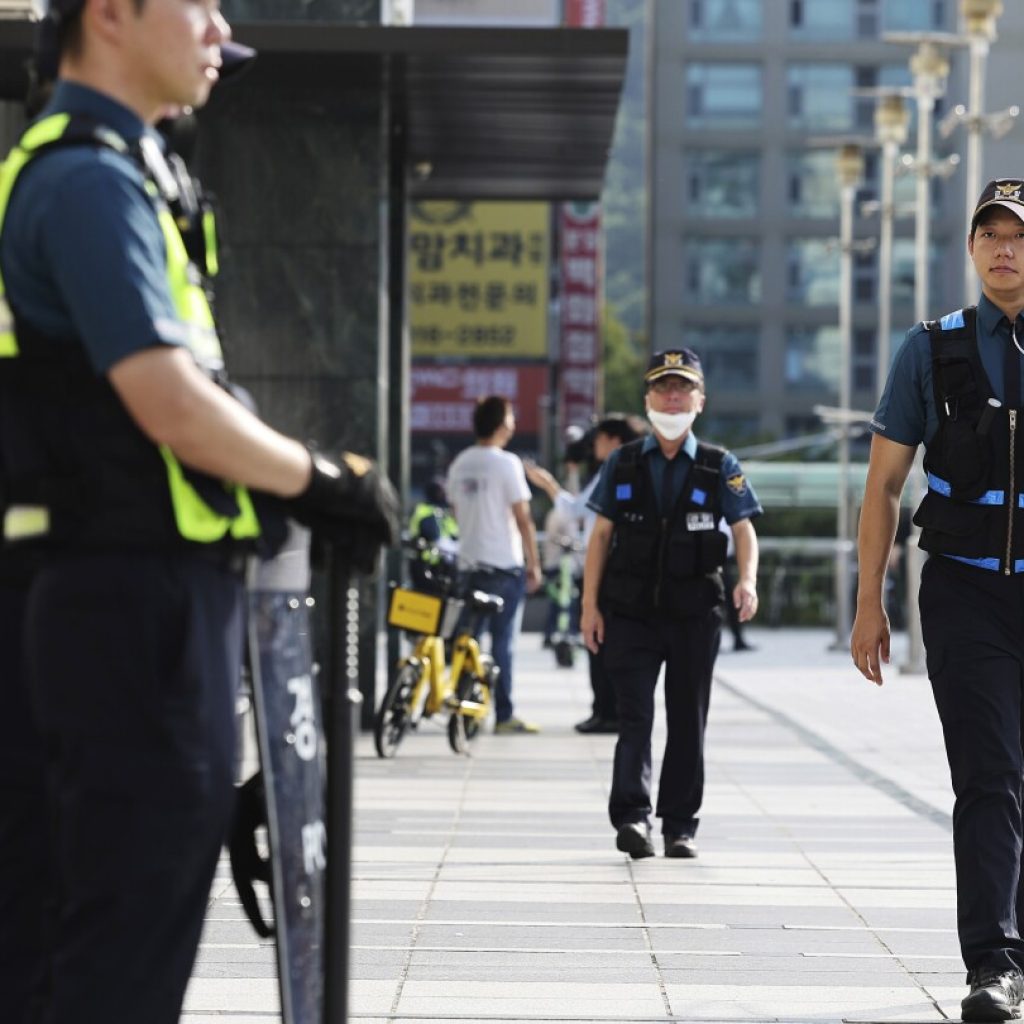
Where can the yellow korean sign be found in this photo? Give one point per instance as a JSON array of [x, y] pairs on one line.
[[478, 279]]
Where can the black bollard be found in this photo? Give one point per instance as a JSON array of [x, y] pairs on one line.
[[343, 695]]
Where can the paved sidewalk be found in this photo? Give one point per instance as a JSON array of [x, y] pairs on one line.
[[488, 888]]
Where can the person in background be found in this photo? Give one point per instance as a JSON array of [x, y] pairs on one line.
[[433, 523], [732, 614], [497, 539], [610, 434]]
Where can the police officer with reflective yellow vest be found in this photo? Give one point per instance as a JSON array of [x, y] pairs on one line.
[[432, 523], [653, 596], [139, 484], [955, 386]]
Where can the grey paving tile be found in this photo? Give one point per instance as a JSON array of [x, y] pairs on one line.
[[517, 936]]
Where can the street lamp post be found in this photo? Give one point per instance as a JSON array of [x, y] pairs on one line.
[[930, 68], [979, 22], [850, 171], [891, 121], [980, 25]]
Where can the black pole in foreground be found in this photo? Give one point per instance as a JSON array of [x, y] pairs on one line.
[[343, 695]]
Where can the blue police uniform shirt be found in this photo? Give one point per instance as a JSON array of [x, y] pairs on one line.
[[91, 262], [736, 496], [906, 411]]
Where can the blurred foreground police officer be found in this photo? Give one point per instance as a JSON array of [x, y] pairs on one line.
[[955, 386], [653, 596], [134, 484]]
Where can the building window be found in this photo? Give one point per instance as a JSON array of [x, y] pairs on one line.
[[723, 96], [863, 360], [821, 19], [729, 428], [818, 97], [812, 272], [725, 20], [903, 17], [722, 183], [723, 271], [812, 359], [798, 425], [729, 356], [903, 272]]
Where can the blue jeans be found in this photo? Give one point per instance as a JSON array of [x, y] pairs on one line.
[[510, 586]]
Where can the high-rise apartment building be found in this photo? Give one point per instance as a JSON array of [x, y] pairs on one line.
[[744, 199]]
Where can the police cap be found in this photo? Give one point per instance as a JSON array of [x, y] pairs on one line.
[[1005, 192], [679, 362]]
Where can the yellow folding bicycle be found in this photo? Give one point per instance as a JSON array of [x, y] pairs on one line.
[[425, 685]]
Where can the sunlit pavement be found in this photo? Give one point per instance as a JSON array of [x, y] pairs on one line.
[[488, 888]]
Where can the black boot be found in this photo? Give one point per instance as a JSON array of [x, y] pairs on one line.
[[995, 995]]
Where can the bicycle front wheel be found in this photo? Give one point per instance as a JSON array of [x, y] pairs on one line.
[[396, 710], [473, 698]]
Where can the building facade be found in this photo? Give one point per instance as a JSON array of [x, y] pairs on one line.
[[747, 100]]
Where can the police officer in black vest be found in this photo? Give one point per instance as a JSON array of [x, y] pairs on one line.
[[653, 596], [955, 386]]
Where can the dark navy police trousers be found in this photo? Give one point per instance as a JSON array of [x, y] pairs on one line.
[[634, 652], [973, 626], [132, 663]]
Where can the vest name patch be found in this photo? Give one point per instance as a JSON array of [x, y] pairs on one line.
[[700, 521]]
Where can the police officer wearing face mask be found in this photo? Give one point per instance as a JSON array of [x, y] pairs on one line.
[[955, 386], [653, 596]]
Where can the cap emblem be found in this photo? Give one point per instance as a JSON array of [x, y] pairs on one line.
[[1010, 190], [673, 359]]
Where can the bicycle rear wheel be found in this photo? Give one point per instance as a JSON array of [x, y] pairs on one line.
[[464, 725], [396, 711]]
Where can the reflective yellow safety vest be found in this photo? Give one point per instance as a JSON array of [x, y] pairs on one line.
[[40, 500]]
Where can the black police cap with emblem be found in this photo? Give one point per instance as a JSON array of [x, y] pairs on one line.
[[678, 362], [1005, 192]]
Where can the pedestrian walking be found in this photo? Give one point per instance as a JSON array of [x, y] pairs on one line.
[[610, 434], [653, 597], [135, 485], [955, 387], [491, 499]]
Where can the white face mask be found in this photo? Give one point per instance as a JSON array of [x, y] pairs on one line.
[[671, 425]]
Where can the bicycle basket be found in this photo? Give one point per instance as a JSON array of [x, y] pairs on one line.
[[424, 613]]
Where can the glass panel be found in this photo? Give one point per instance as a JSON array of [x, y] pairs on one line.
[[729, 356], [723, 95], [903, 250], [729, 428], [725, 20], [813, 186], [812, 358], [913, 17], [822, 19], [813, 278], [721, 270], [722, 183], [819, 97]]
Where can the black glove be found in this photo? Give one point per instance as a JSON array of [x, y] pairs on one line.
[[350, 505]]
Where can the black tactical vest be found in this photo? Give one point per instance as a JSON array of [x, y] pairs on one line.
[[975, 463], [665, 564], [69, 446]]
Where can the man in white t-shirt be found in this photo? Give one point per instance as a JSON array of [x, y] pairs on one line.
[[491, 499]]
